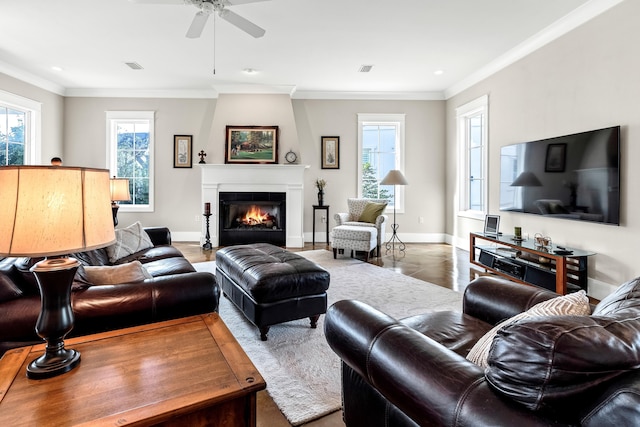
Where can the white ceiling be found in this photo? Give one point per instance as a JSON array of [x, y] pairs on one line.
[[312, 48]]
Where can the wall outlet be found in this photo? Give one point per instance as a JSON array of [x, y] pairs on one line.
[[324, 219], [420, 220], [197, 218]]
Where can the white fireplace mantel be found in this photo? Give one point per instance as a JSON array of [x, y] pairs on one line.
[[287, 179]]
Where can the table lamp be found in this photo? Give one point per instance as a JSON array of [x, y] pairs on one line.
[[394, 177], [119, 193], [52, 211]]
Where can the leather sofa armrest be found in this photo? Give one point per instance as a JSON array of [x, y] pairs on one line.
[[493, 299], [428, 382], [159, 235]]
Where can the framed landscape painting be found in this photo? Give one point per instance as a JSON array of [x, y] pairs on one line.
[[251, 144]]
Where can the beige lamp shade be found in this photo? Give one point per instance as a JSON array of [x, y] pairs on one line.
[[120, 189], [394, 177], [54, 210]]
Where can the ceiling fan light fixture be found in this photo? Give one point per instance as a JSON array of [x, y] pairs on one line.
[[365, 68]]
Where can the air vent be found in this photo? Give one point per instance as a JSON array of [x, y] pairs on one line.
[[134, 65], [365, 68]]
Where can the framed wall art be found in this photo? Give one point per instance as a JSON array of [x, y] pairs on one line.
[[182, 146], [330, 152], [556, 158], [251, 144]]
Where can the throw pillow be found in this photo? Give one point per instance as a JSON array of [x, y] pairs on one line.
[[371, 212], [129, 240], [574, 304], [8, 290], [131, 272]]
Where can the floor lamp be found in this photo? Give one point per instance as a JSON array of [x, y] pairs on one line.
[[394, 177], [52, 211]]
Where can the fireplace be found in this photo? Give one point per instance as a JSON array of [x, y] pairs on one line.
[[252, 217], [288, 179]]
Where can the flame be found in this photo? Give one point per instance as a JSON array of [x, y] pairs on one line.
[[254, 216]]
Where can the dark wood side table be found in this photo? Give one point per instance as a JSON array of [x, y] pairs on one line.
[[180, 372], [315, 208]]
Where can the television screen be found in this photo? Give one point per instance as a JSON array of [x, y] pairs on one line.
[[571, 177]]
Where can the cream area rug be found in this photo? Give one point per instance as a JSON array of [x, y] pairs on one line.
[[301, 370]]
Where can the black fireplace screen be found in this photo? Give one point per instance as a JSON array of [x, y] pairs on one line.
[[248, 217]]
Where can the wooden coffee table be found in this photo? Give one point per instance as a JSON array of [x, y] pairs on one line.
[[187, 371]]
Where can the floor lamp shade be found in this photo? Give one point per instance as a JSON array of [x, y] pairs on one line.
[[49, 211], [394, 177]]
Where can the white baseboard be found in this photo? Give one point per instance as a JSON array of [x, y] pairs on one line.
[[186, 236]]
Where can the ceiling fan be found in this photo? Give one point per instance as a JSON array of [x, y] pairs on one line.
[[208, 7]]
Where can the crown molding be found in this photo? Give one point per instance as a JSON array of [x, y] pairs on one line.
[[27, 77], [383, 96], [141, 93], [579, 16]]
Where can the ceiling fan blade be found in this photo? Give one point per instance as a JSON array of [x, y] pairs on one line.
[[235, 2], [197, 25], [242, 23], [158, 1]]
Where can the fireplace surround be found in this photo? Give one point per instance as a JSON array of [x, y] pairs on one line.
[[286, 179]]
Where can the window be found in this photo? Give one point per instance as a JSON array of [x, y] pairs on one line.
[[19, 130], [380, 149], [472, 119], [130, 141]]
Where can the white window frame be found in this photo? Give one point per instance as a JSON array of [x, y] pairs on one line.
[[33, 125], [463, 114], [113, 117], [385, 119]]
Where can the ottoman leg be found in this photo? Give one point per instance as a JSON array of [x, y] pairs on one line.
[[263, 332], [314, 321]]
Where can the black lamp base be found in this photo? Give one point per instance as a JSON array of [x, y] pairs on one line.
[[50, 365], [54, 277]]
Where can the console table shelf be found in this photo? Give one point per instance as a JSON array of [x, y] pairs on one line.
[[559, 269]]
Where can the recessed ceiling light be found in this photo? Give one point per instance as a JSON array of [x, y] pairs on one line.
[[250, 71], [365, 68], [438, 72], [56, 68], [133, 65]]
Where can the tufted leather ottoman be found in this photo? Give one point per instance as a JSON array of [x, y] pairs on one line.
[[271, 285]]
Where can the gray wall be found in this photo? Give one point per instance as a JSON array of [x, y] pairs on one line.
[[587, 79]]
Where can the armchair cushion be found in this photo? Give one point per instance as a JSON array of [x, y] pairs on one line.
[[576, 304], [371, 212]]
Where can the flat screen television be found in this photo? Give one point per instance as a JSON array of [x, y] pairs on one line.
[[573, 177]]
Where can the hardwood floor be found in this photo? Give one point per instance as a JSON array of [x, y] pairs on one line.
[[441, 264]]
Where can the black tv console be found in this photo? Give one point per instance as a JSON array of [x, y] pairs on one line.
[[556, 268]]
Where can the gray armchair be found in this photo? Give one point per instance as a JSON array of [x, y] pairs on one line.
[[355, 207]]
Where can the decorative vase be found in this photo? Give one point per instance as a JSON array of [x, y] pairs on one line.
[[320, 197]]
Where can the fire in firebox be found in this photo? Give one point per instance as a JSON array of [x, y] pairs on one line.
[[255, 217]]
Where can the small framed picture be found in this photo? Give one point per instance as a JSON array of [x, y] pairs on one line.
[[556, 158], [182, 146], [330, 152], [492, 225]]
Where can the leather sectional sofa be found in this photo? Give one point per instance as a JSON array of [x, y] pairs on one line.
[[573, 370], [172, 289]]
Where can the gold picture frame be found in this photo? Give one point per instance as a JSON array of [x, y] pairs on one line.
[[251, 144]]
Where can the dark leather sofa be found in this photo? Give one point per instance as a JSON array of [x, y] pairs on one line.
[[549, 371], [176, 290]]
